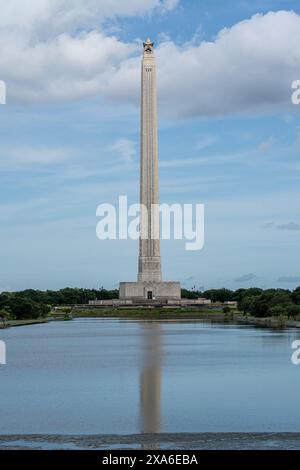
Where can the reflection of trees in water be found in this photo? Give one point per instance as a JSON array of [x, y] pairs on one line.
[[150, 380]]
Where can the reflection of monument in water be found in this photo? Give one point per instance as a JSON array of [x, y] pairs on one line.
[[150, 380], [149, 285]]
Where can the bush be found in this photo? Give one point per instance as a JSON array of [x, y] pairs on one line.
[[282, 319], [66, 309], [226, 309], [5, 315], [67, 316]]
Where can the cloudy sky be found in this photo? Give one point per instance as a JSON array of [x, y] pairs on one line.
[[229, 137]]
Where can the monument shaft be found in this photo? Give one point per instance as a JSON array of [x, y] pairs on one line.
[[149, 250], [149, 286]]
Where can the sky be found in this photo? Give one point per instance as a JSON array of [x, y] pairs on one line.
[[229, 138]]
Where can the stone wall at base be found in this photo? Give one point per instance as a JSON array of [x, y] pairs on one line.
[[115, 303], [150, 290]]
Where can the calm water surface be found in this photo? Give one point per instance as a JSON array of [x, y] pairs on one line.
[[108, 376]]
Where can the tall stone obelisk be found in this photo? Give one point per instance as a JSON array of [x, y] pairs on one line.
[[149, 254], [149, 286]]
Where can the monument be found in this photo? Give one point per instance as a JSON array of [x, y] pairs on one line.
[[149, 285]]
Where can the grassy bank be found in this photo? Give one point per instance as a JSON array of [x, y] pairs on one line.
[[163, 314], [12, 323], [214, 315], [150, 313]]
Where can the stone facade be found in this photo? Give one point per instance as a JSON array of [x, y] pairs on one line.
[[165, 302], [150, 290], [149, 254]]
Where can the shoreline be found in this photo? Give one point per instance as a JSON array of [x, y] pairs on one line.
[[205, 315], [193, 441], [16, 323]]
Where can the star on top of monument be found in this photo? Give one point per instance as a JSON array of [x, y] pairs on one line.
[[148, 46]]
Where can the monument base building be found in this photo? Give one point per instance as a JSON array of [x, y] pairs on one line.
[[155, 291]]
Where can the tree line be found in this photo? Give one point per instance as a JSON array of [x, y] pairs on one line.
[[31, 303], [257, 302], [254, 301]]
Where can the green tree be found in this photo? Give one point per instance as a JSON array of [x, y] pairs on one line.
[[24, 308], [293, 310], [277, 311], [261, 305], [246, 304], [296, 296], [5, 315], [219, 295], [190, 294]]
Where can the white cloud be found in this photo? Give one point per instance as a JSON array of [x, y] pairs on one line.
[[249, 67], [54, 50], [169, 5], [208, 160], [31, 155], [44, 16], [125, 149], [266, 145], [65, 68], [206, 141]]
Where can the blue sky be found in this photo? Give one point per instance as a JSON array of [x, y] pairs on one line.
[[229, 137]]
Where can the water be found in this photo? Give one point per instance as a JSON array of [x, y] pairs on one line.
[[108, 376]]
